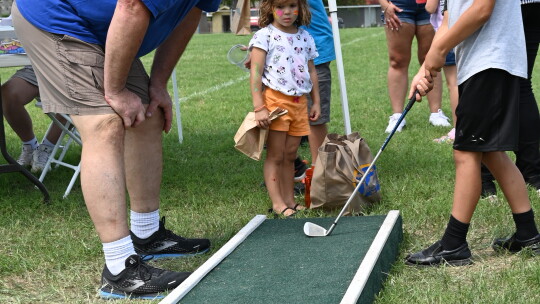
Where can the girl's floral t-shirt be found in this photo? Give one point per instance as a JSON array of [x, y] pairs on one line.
[[287, 57]]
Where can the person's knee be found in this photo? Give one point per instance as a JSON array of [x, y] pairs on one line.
[[13, 97], [109, 129], [399, 62]]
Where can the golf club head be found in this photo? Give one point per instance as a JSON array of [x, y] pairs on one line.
[[311, 229]]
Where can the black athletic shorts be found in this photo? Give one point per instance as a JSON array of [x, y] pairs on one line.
[[487, 112]]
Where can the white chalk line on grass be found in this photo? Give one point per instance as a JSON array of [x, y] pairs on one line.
[[360, 39], [215, 88], [235, 81]]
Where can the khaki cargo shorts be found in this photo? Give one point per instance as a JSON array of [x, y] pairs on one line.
[[70, 71]]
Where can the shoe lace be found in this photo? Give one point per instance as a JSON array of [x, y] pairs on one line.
[[168, 233], [145, 271], [25, 153]]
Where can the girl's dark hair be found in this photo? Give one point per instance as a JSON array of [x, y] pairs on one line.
[[266, 15]]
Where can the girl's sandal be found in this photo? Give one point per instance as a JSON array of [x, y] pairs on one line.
[[282, 213], [298, 207]]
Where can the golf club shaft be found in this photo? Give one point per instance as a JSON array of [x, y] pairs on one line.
[[407, 108]]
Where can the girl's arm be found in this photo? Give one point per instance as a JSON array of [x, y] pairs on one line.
[[315, 97], [258, 60], [431, 6]]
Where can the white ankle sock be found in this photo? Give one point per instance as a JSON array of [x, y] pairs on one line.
[[32, 142], [116, 254], [46, 142], [144, 225]]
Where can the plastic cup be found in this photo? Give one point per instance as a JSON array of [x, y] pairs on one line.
[[238, 55]]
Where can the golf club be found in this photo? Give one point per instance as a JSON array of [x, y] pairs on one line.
[[311, 229]]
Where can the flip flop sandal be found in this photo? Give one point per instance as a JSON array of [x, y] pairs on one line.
[[295, 208], [281, 214]]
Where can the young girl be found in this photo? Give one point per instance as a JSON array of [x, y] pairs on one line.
[[282, 72]]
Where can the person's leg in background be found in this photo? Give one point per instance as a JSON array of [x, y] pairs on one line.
[[17, 92], [319, 128], [528, 154], [399, 52], [450, 74], [424, 35]]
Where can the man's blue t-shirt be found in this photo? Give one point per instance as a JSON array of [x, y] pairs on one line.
[[89, 20], [321, 30]]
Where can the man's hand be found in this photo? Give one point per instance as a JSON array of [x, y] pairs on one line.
[[128, 106], [160, 98]]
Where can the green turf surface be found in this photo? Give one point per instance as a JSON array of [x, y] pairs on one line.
[[277, 263]]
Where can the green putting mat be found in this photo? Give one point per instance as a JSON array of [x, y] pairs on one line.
[[277, 263]]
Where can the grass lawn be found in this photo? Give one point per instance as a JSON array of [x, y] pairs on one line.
[[51, 253]]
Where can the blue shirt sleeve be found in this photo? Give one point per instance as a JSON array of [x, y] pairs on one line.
[[209, 5]]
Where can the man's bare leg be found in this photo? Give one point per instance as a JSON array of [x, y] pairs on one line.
[[102, 173], [143, 162]]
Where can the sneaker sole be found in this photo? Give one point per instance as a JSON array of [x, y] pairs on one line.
[[455, 263], [500, 249], [171, 255], [111, 296], [491, 198], [397, 130], [440, 125], [298, 179]]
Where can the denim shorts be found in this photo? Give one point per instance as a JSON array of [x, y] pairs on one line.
[[450, 58], [413, 13]]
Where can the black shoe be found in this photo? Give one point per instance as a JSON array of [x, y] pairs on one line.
[[139, 281], [514, 245], [489, 190], [165, 244], [435, 255], [300, 168]]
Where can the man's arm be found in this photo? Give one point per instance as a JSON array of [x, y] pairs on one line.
[[170, 51], [165, 59], [126, 32]]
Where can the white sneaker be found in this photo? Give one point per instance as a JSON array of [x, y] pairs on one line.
[[393, 121], [40, 158], [25, 159], [438, 119]]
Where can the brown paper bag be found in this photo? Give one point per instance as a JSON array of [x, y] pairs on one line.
[[341, 162], [249, 138]]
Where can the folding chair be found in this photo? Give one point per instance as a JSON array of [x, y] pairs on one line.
[[67, 137]]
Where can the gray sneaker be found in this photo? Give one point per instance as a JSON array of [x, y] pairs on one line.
[[25, 159], [40, 157]]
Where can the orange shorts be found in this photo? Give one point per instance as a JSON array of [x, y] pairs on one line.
[[296, 122]]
